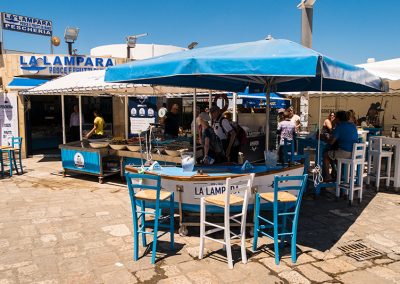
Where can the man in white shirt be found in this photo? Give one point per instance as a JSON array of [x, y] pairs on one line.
[[74, 124], [226, 134]]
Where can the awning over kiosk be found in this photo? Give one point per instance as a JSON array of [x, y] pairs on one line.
[[21, 83]]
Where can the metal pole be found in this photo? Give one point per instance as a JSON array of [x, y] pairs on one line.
[[234, 115], [80, 116], [128, 52], [69, 48], [51, 45], [63, 119], [194, 128], [126, 116], [209, 99], [267, 96], [1, 34]]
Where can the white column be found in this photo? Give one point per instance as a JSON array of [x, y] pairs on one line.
[[209, 99], [63, 119], [267, 96]]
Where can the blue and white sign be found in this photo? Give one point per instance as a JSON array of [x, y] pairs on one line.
[[26, 24], [61, 65]]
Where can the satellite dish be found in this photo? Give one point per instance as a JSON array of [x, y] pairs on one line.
[[162, 112], [55, 40]]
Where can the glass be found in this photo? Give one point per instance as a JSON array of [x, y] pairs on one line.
[[187, 161]]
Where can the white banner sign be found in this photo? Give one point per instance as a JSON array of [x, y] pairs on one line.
[[61, 64], [8, 117]]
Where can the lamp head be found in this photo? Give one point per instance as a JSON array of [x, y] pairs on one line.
[[71, 34]]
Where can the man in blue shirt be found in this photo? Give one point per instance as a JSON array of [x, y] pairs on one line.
[[345, 135]]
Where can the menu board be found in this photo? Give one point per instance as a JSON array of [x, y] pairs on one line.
[[8, 117], [142, 112]]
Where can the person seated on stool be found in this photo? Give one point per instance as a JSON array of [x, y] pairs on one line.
[[345, 135]]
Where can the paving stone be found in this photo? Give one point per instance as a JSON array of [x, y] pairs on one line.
[[294, 277], [314, 274], [334, 266], [381, 240], [145, 275], [361, 277], [386, 273], [202, 277], [119, 230], [119, 276], [171, 270], [394, 256], [181, 279], [269, 262], [49, 238], [301, 259], [382, 261]]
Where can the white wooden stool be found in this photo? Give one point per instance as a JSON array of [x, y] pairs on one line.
[[375, 156], [351, 179], [238, 191]]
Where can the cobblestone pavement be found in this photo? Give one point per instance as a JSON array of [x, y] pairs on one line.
[[75, 230]]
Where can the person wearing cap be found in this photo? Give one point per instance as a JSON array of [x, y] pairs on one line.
[[280, 114], [212, 146], [226, 134]]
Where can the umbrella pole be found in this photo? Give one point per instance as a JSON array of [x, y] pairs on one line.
[[126, 116], [194, 120], [209, 99], [234, 109], [267, 96], [80, 116]]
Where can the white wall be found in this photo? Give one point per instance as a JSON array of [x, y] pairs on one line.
[[140, 51]]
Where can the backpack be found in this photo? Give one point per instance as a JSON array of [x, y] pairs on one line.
[[241, 135], [216, 144]]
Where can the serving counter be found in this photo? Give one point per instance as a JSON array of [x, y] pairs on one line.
[[81, 158]]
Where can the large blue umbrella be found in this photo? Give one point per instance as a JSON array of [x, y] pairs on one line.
[[274, 65], [281, 64]]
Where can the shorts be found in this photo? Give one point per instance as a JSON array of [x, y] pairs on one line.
[[339, 154]]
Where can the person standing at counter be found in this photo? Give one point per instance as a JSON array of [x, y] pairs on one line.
[[74, 124], [98, 126], [225, 132], [212, 146], [294, 118], [172, 121], [286, 130]]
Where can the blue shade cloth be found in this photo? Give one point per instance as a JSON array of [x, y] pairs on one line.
[[26, 82], [288, 66]]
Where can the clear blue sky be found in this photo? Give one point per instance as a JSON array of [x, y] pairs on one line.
[[348, 30]]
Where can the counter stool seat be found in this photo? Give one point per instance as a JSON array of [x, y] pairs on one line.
[[351, 178], [242, 186], [219, 199], [151, 195], [375, 156], [283, 196]]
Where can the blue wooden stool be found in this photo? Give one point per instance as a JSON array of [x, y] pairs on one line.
[[147, 188], [283, 201], [16, 143]]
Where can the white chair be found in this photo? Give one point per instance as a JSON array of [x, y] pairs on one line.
[[351, 179], [375, 156], [239, 194]]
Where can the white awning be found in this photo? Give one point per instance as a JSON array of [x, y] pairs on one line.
[[91, 83]]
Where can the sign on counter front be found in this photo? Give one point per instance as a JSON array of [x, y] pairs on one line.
[[142, 112], [8, 117], [26, 24], [61, 65]]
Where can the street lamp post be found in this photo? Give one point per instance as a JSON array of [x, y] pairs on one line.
[[131, 43], [307, 7], [70, 35]]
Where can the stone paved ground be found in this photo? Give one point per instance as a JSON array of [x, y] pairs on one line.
[[74, 230]]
